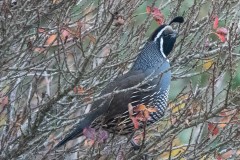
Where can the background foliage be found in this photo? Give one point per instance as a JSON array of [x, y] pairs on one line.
[[56, 56]]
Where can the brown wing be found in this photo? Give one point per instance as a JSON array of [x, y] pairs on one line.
[[118, 103]]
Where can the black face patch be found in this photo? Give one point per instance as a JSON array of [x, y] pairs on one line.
[[165, 37], [168, 43]]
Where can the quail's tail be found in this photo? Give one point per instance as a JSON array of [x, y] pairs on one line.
[[77, 131]]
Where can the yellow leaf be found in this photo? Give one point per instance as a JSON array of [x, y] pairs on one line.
[[177, 107], [178, 104], [207, 64], [177, 150]]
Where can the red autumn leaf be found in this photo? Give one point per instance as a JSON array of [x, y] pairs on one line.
[[152, 109], [213, 129], [89, 133], [148, 9], [226, 155], [65, 35], [218, 157], [135, 122], [215, 24], [157, 15], [51, 39], [221, 37], [222, 33]]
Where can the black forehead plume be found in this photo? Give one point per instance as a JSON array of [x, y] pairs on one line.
[[178, 19]]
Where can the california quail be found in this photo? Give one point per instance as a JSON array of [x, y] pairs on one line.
[[151, 71]]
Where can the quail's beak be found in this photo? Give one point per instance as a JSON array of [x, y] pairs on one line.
[[173, 34]]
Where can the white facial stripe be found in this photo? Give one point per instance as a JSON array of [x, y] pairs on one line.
[[161, 47], [160, 33]]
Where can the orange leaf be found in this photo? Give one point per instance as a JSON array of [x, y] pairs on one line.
[[140, 107], [140, 117], [146, 115], [215, 24], [51, 39], [152, 109]]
